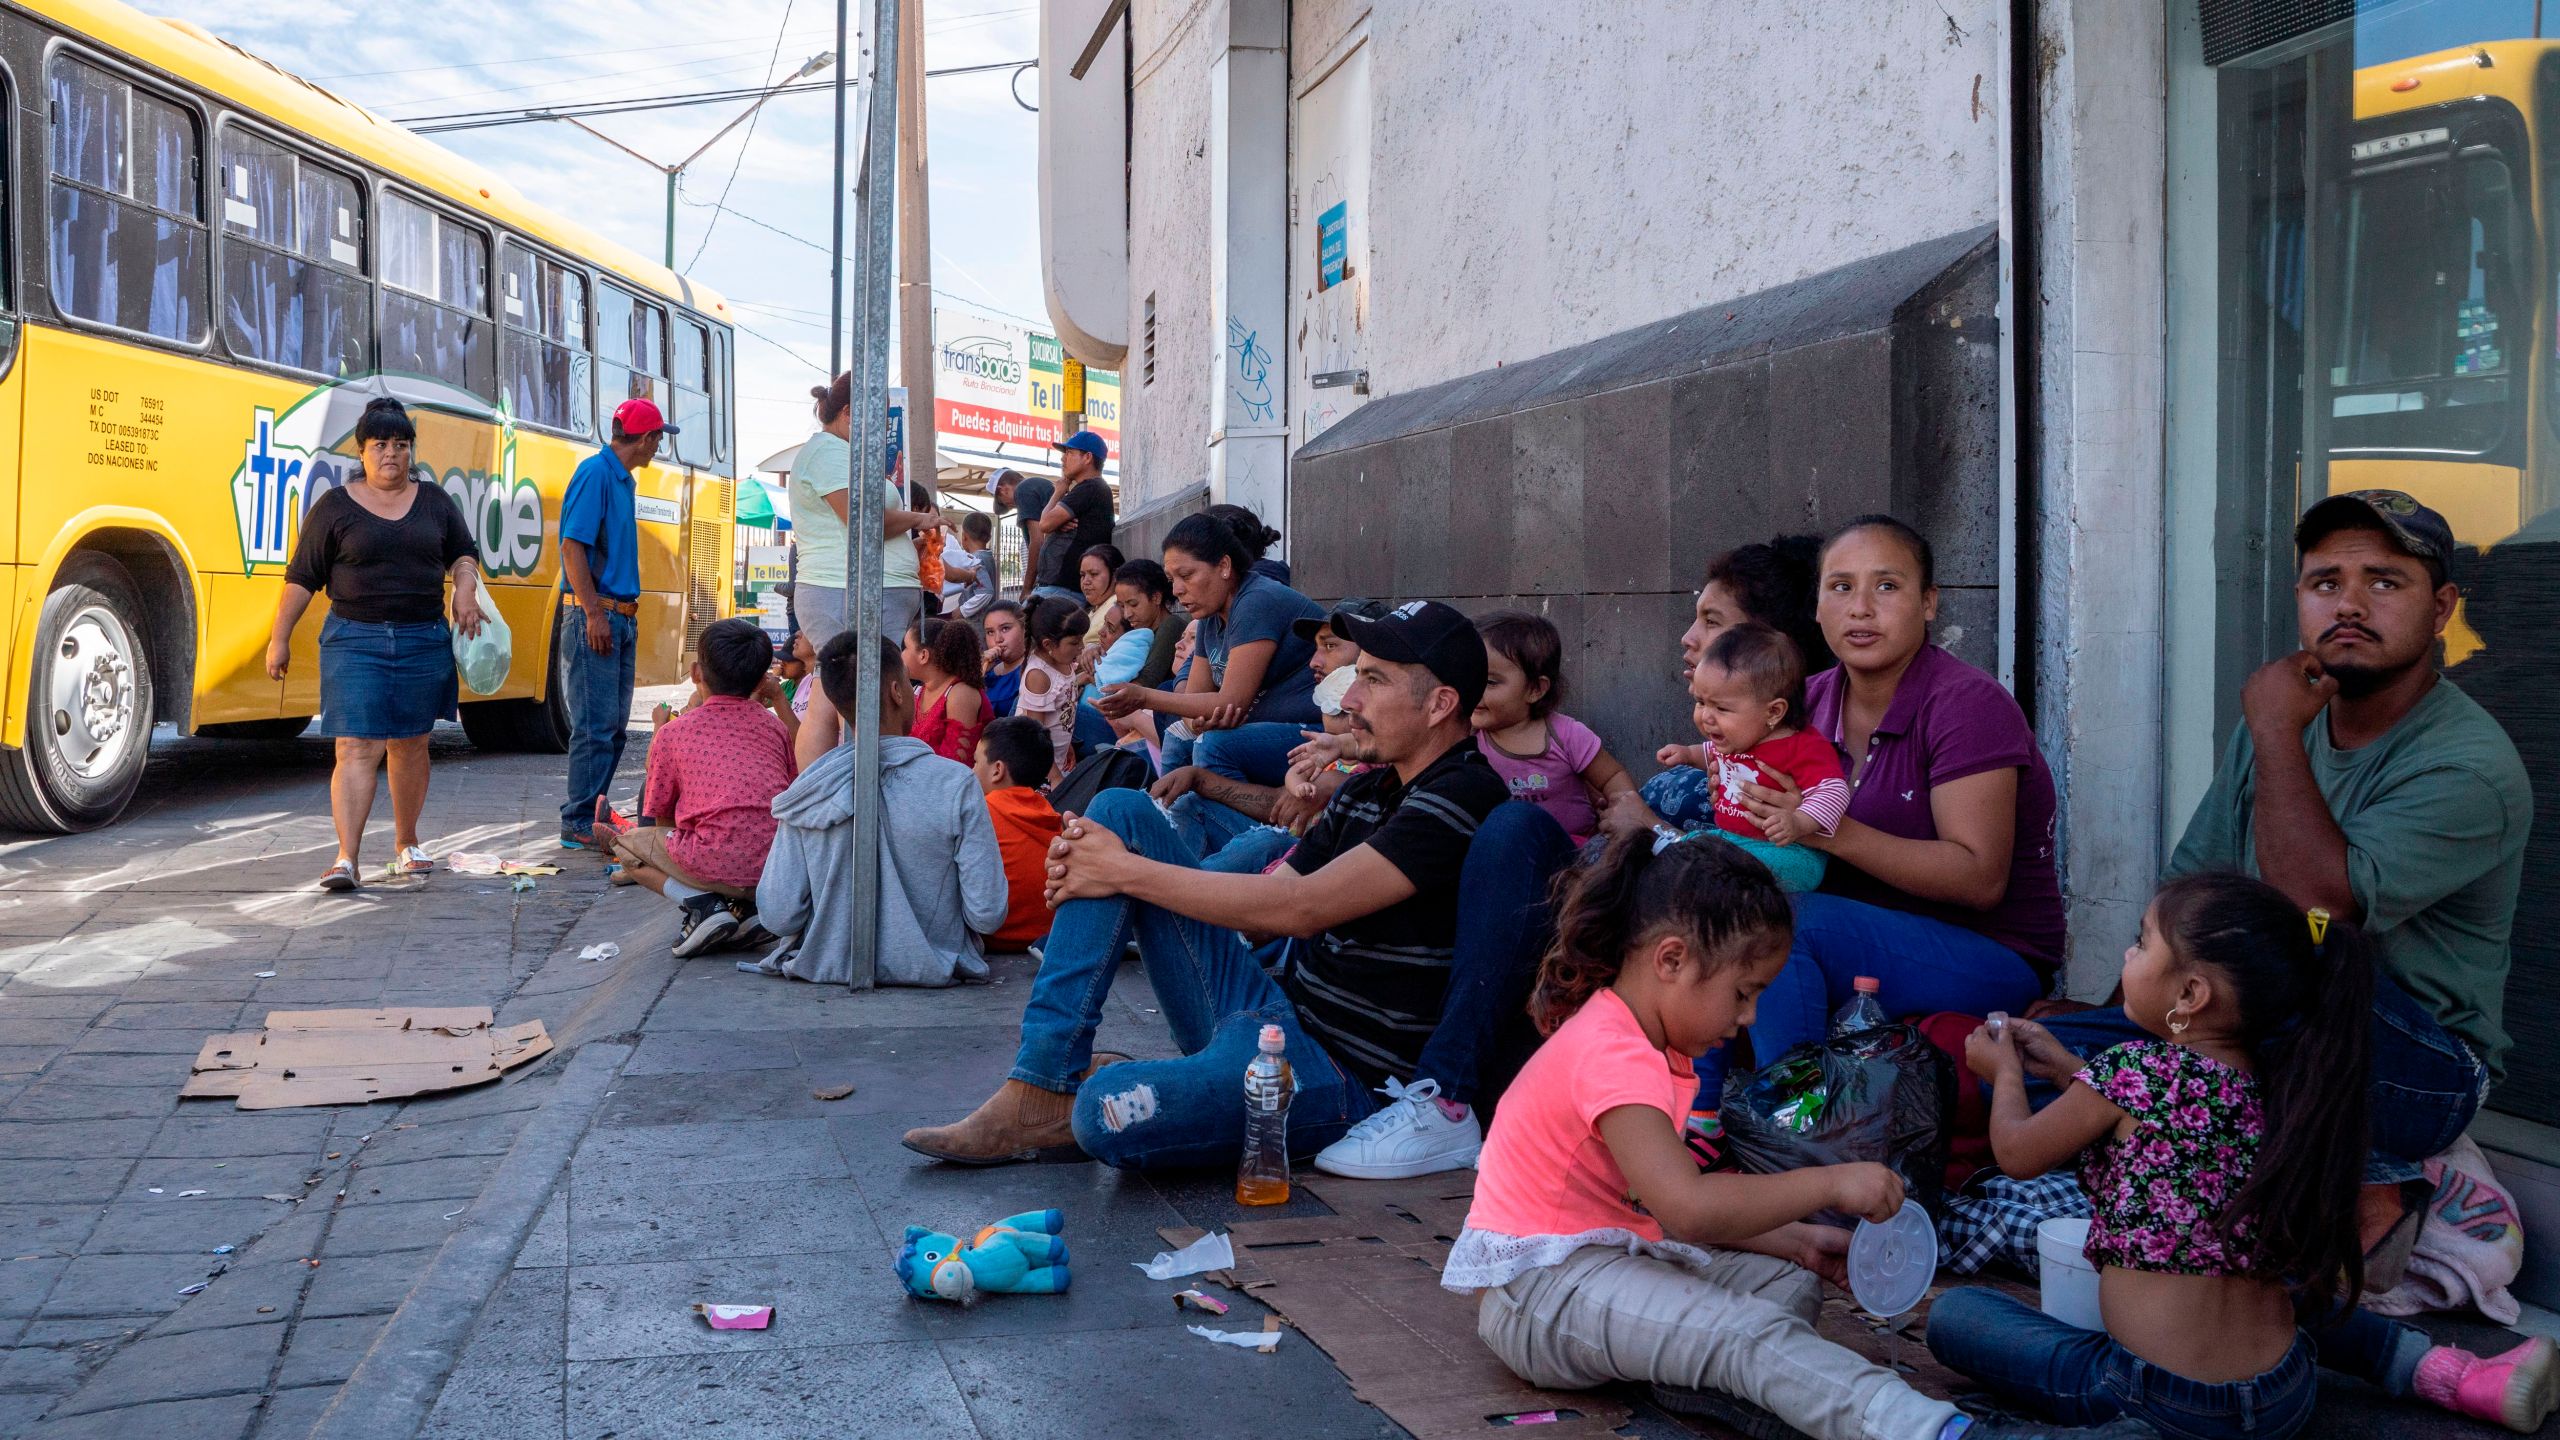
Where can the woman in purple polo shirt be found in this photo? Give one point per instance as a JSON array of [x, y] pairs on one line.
[[1942, 882]]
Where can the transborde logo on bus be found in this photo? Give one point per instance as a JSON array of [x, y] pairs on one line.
[[291, 458]]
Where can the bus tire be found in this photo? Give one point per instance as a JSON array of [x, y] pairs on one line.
[[89, 705], [532, 727], [289, 727]]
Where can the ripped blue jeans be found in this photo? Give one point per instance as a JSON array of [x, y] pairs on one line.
[[1189, 1111]]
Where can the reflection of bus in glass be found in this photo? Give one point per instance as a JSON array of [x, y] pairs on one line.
[[210, 265], [2437, 384]]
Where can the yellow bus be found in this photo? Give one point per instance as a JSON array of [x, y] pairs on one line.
[[207, 267], [2434, 381]]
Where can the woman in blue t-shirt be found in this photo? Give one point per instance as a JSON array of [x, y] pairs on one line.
[[1249, 693]]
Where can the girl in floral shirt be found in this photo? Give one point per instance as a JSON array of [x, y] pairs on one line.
[[2222, 1160]]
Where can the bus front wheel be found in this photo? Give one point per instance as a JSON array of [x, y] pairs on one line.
[[89, 705]]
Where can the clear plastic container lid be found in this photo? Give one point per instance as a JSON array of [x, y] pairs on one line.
[[1891, 1265]]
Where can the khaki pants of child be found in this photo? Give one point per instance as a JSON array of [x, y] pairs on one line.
[[647, 845], [1742, 1324]]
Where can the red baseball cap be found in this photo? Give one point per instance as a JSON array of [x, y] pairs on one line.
[[639, 417]]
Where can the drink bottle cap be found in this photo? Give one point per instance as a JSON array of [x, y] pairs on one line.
[[1868, 984], [1271, 1040]]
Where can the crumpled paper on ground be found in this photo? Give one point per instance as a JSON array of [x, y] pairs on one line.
[[1265, 1341], [1209, 1252]]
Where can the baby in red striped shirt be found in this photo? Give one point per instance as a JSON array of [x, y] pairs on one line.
[[1749, 694]]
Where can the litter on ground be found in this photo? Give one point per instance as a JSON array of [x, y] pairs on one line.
[[1209, 1252], [606, 951], [734, 1317], [355, 1057], [1198, 1301], [195, 1289], [266, 975], [1266, 1339], [831, 1092]]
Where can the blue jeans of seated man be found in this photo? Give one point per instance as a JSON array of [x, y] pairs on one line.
[[1924, 965], [1208, 826], [1251, 853], [2030, 1360], [1257, 754], [599, 696], [2426, 1084], [1504, 924], [1172, 751], [1148, 1114]]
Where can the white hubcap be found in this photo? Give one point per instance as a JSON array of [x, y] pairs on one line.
[[92, 693]]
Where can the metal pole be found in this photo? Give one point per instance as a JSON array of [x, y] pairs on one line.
[[877, 211], [672, 172], [915, 259], [835, 267]]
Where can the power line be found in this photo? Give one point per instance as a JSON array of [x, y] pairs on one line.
[[489, 119], [537, 59], [778, 345], [738, 161]]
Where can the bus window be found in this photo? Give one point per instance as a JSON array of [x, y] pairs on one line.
[[127, 225], [693, 392], [631, 349], [721, 418], [435, 297], [543, 306], [293, 287], [2427, 347]]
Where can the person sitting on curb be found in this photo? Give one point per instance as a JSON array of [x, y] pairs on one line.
[[941, 877], [1373, 887], [713, 773], [2362, 782]]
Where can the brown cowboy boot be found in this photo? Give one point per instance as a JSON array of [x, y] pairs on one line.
[[1018, 1122]]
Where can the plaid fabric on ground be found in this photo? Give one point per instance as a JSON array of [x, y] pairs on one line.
[[1995, 1219]]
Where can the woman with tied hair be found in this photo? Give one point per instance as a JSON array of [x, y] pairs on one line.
[[821, 509], [383, 548]]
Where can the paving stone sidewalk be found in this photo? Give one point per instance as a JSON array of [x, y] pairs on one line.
[[120, 951]]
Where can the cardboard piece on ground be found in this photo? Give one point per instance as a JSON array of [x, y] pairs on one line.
[[1364, 1286], [352, 1057]]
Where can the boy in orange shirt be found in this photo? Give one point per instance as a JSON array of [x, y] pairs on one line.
[[1018, 746]]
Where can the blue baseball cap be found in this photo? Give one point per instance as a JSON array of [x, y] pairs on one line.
[[1086, 441]]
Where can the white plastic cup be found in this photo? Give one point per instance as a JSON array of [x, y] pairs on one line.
[[2068, 1282]]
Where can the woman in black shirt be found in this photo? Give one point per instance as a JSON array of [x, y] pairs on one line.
[[382, 549]]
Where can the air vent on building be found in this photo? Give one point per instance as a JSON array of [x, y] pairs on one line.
[[1147, 345], [2236, 29]]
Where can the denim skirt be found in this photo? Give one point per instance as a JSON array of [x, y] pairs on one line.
[[380, 681]]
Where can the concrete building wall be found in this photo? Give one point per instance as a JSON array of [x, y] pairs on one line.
[[1164, 427], [1713, 151], [1704, 162]]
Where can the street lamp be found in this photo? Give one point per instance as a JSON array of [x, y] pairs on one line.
[[816, 63]]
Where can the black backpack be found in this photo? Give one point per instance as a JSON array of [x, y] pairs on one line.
[[1109, 768]]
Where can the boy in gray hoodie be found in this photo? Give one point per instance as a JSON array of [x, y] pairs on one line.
[[942, 882]]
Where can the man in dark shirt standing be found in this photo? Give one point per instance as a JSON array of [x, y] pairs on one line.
[[1373, 889], [1027, 496], [1080, 517], [600, 578]]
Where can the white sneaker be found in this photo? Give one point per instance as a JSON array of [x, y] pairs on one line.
[[1409, 1135]]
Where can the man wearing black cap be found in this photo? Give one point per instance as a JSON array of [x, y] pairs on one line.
[[2362, 782], [1373, 890]]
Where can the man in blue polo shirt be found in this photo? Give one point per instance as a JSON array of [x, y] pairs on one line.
[[600, 575]]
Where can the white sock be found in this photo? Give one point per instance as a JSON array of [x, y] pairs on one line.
[[680, 892]]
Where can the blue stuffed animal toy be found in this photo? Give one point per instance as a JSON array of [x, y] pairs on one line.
[[1018, 1255]]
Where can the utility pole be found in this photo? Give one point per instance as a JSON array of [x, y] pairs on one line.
[[876, 209], [835, 264], [915, 260]]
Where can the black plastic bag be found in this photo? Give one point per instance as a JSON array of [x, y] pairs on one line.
[[1110, 768], [1881, 1095]]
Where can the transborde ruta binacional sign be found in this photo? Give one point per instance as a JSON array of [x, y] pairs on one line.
[[291, 458], [998, 382]]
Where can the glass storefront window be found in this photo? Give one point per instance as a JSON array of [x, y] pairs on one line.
[[2378, 206]]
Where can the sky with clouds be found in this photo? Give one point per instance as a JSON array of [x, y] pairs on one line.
[[768, 252]]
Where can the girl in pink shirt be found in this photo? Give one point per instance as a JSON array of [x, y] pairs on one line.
[[1600, 1250], [1549, 759]]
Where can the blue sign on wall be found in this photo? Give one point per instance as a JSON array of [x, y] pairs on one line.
[[1333, 243]]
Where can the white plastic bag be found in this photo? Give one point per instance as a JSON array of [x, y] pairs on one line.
[[485, 658]]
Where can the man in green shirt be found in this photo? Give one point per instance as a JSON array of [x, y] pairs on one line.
[[2362, 782]]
